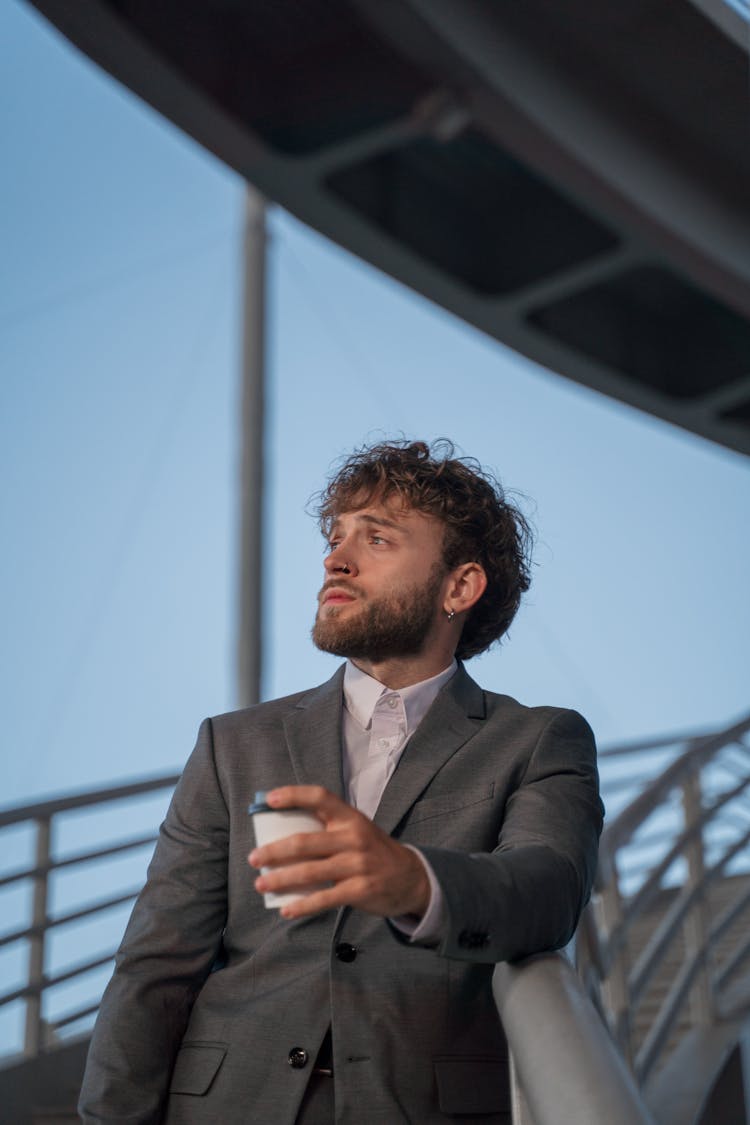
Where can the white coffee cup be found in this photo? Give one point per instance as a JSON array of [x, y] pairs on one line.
[[274, 824]]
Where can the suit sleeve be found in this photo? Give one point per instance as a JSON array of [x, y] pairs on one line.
[[167, 952], [527, 895]]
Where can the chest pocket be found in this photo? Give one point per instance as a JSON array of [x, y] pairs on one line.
[[459, 819], [446, 803]]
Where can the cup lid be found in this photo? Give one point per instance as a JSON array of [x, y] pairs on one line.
[[259, 804]]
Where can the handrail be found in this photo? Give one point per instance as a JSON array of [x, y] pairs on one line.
[[665, 931], [645, 892], [656, 1038], [648, 745], [567, 1067], [78, 857], [657, 972], [616, 960], [624, 827], [43, 810], [72, 916], [740, 954], [34, 989], [43, 816]]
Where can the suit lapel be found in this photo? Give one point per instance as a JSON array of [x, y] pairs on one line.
[[451, 721], [313, 734]]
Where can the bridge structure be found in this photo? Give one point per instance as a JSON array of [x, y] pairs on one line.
[[645, 1019], [572, 180]]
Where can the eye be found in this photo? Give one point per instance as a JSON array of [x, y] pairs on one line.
[[377, 539]]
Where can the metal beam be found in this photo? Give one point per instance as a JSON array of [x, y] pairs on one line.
[[250, 594]]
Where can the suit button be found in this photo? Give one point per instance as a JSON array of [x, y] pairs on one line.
[[345, 952], [473, 939], [298, 1058]]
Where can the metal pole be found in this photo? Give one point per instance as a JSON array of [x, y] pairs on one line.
[[697, 922], [249, 649], [33, 1029], [615, 987]]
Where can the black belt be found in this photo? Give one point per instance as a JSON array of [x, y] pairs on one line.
[[324, 1059]]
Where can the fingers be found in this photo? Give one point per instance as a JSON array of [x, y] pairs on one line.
[[398, 891], [311, 875], [334, 813], [307, 860], [342, 894], [300, 845], [312, 797], [350, 863]]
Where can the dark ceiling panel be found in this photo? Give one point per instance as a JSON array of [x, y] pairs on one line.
[[664, 65], [653, 327], [303, 75], [472, 210], [573, 179], [739, 413]]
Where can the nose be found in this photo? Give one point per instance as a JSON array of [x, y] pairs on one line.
[[340, 559]]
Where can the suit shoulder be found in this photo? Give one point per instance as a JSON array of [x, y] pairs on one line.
[[271, 712], [564, 719], [258, 711]]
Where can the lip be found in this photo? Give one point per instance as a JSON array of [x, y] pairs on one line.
[[335, 595]]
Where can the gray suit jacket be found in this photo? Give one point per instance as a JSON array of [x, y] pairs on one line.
[[503, 801]]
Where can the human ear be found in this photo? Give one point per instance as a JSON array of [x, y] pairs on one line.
[[466, 586]]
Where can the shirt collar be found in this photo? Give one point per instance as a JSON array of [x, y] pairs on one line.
[[362, 692]]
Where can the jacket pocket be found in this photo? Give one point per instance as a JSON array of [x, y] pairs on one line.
[[428, 807], [196, 1067], [473, 1084]]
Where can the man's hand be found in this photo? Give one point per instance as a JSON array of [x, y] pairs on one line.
[[364, 867]]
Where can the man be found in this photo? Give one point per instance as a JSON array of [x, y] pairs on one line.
[[459, 828]]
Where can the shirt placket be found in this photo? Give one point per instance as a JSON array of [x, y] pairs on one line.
[[387, 735]]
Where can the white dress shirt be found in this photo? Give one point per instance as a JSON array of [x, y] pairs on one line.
[[377, 724]]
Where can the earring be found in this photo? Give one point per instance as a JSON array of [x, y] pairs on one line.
[[450, 614]]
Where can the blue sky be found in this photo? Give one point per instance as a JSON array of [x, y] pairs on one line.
[[119, 391]]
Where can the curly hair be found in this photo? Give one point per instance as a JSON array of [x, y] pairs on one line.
[[481, 524]]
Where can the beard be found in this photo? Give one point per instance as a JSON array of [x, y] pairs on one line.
[[393, 625]]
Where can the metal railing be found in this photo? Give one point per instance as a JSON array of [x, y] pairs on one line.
[[563, 1068], [42, 819], [657, 952], [666, 938]]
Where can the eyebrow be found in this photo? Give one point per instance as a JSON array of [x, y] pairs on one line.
[[379, 521]]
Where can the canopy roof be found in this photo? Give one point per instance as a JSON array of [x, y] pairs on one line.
[[572, 179]]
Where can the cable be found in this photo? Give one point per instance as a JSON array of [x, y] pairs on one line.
[[96, 287], [124, 539]]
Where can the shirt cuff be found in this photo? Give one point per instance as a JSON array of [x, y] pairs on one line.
[[430, 928]]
